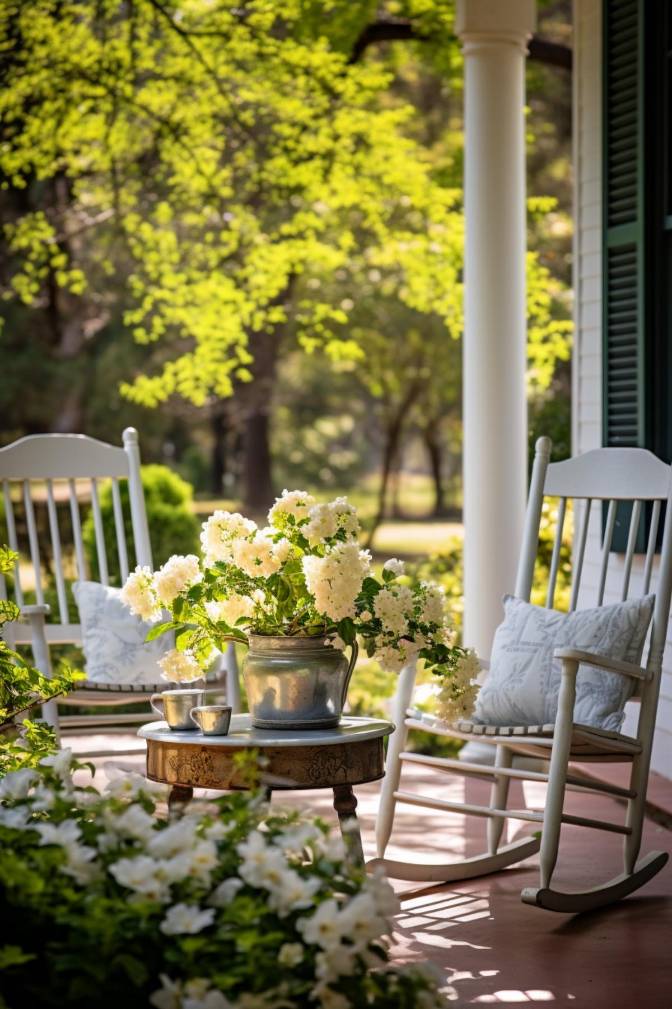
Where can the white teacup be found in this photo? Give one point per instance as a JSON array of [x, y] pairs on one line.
[[212, 719], [174, 706]]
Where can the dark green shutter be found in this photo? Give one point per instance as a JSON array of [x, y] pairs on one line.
[[623, 226]]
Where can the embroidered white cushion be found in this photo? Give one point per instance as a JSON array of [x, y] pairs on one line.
[[113, 639], [524, 680]]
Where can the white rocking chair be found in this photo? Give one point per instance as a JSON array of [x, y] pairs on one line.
[[612, 475], [55, 463]]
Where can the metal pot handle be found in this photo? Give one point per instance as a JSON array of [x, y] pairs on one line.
[[354, 652]]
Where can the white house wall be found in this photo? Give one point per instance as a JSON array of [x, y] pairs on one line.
[[587, 357]]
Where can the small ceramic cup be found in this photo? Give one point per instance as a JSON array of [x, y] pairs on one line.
[[175, 706], [212, 719]]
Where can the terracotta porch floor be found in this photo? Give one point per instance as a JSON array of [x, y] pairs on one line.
[[492, 948]]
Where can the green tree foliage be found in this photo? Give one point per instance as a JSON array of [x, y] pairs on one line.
[[270, 158], [173, 527], [22, 687]]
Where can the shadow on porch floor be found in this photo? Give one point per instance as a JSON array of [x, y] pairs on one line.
[[492, 948]]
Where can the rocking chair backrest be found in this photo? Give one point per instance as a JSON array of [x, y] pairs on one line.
[[610, 475], [46, 472]]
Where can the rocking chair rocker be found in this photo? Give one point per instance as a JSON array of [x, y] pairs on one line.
[[612, 475]]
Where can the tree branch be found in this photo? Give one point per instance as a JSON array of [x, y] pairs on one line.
[[383, 31], [541, 51]]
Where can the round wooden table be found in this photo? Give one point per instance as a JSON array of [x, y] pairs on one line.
[[339, 758]]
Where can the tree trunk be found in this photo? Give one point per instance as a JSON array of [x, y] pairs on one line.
[[257, 475], [393, 433], [433, 445], [219, 428]]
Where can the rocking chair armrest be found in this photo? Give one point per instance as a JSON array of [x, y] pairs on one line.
[[36, 610], [612, 665]]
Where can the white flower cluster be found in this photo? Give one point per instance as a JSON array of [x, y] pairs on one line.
[[180, 667], [266, 866], [220, 532], [326, 520], [457, 694], [134, 858], [335, 580], [194, 994], [139, 594], [176, 575], [146, 592], [294, 503], [234, 608]]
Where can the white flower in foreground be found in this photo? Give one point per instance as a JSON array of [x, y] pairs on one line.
[[64, 834], [263, 864], [80, 864], [178, 837], [42, 797], [322, 928], [203, 859], [180, 667], [386, 899], [214, 999], [186, 919], [16, 784], [138, 874], [129, 785], [293, 892], [60, 763], [330, 999], [193, 994], [176, 575], [139, 594], [225, 892], [290, 954], [394, 565], [15, 819], [360, 919], [337, 961], [133, 822]]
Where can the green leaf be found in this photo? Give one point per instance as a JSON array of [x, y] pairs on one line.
[[158, 629]]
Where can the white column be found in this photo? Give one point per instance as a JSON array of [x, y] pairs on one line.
[[494, 35]]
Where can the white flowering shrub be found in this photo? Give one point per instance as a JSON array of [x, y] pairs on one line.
[[303, 574], [235, 905]]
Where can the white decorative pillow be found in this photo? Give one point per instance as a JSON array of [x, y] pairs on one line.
[[113, 639], [524, 680]]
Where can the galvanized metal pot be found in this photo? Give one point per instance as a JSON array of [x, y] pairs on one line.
[[296, 683]]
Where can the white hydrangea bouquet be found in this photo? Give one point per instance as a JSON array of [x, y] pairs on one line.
[[236, 905], [303, 575]]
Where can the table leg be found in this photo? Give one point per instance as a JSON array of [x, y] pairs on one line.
[[345, 804], [179, 796]]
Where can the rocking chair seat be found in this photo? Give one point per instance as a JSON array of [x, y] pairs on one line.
[[111, 694], [587, 742]]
